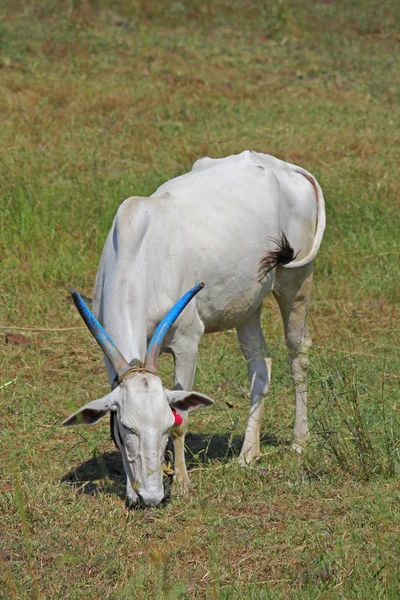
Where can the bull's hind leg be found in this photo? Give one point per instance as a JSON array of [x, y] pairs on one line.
[[293, 292], [255, 351]]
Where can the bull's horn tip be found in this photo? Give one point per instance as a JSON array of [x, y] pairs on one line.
[[201, 284], [73, 291]]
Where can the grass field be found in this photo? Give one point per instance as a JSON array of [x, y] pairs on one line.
[[103, 100]]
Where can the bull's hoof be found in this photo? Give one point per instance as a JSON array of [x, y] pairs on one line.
[[246, 458], [299, 447], [182, 484]]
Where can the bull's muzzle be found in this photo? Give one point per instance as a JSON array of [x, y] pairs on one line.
[[149, 498]]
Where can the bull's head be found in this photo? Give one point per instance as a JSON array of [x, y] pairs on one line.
[[143, 410]]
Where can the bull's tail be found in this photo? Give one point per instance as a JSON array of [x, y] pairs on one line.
[[284, 253], [321, 220]]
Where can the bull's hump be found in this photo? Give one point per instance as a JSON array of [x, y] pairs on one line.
[[133, 213]]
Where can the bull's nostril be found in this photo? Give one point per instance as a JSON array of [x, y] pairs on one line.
[[131, 503]]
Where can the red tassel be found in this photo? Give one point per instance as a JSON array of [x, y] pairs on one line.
[[178, 418]]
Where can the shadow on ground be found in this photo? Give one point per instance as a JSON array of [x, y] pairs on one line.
[[104, 473]]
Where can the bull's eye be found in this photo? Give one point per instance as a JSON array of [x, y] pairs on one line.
[[130, 442], [125, 431]]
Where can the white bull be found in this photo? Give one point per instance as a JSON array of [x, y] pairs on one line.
[[246, 225]]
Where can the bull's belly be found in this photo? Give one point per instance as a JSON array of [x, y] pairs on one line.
[[222, 310]]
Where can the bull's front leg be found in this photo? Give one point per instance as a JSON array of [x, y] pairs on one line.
[[185, 357], [255, 351]]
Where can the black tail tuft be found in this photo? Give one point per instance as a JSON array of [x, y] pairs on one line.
[[282, 255]]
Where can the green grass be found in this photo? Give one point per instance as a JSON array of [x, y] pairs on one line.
[[102, 100]]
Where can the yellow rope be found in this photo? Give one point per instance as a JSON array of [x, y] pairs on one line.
[[139, 369]]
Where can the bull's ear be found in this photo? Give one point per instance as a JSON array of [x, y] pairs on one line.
[[95, 410], [188, 401]]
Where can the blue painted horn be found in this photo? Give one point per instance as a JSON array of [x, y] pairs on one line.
[[154, 347], [100, 335]]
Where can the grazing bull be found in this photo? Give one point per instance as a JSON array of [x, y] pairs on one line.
[[246, 225]]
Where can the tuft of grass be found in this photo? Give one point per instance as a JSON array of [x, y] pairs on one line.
[[354, 422]]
